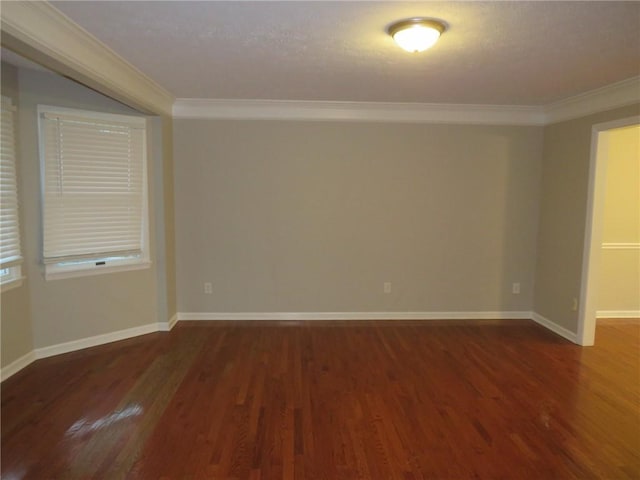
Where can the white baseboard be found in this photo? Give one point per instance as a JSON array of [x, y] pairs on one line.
[[168, 326], [618, 314], [173, 320], [554, 327], [44, 352], [17, 365], [95, 340], [283, 316], [74, 345]]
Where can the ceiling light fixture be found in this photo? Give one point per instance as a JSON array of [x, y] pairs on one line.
[[416, 34]]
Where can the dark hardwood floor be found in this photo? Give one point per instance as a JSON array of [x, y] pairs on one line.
[[358, 400]]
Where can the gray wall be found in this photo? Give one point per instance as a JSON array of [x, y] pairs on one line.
[[72, 309], [167, 205], [15, 317], [563, 208], [315, 216]]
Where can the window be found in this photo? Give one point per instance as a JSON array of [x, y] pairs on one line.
[[94, 192], [10, 253]]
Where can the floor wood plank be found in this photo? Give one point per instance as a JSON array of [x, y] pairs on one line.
[[332, 400]]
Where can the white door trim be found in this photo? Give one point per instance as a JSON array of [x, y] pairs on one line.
[[593, 227]]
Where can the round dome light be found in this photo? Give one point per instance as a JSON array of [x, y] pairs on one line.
[[416, 34]]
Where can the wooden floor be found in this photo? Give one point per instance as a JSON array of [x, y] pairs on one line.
[[370, 400]]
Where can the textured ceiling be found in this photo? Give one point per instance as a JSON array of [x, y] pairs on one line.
[[508, 53]]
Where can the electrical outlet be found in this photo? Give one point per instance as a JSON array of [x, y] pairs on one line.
[[208, 288], [574, 304], [387, 287], [515, 288]]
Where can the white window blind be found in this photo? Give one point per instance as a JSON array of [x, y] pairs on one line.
[[94, 174], [10, 254]]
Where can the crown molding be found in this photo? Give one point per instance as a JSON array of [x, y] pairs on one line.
[[619, 94], [39, 31], [204, 108]]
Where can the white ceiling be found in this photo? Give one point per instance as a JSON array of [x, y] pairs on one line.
[[500, 53]]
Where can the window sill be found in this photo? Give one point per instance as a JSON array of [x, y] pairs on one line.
[[11, 284], [58, 273]]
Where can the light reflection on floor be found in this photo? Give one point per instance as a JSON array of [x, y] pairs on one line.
[[15, 475], [83, 426]]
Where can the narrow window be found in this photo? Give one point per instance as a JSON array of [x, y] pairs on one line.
[[10, 252]]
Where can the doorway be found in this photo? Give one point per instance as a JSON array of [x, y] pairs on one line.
[[600, 152]]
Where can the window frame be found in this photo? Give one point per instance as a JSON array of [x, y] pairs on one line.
[[100, 263], [13, 277]]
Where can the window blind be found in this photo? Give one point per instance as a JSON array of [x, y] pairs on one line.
[[10, 254], [93, 186]]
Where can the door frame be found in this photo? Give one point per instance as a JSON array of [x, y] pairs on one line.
[[593, 226]]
